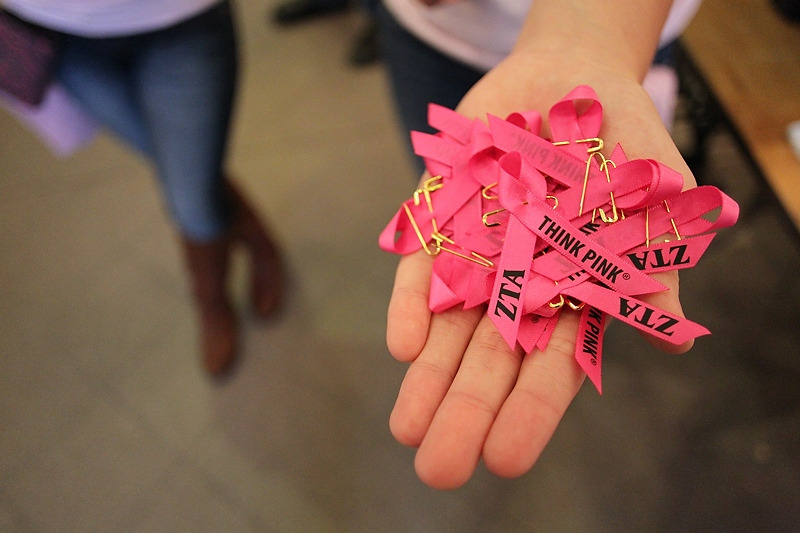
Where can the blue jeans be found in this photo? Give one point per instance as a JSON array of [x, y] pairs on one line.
[[168, 93], [418, 75]]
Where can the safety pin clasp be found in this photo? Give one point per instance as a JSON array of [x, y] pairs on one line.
[[423, 241], [485, 192], [560, 301], [597, 141], [614, 213], [428, 186], [485, 217], [489, 214], [672, 221], [603, 166], [575, 306], [439, 241], [557, 303], [647, 225]]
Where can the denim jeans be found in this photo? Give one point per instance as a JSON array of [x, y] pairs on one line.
[[168, 93], [418, 75]]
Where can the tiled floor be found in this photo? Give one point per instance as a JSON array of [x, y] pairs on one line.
[[108, 424]]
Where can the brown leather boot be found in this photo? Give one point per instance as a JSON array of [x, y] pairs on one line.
[[267, 276], [208, 267]]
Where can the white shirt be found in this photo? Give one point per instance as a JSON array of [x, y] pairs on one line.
[[106, 18], [480, 33]]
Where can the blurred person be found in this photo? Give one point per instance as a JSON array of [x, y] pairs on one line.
[[293, 11], [436, 50], [789, 9], [364, 50], [162, 76], [467, 397]]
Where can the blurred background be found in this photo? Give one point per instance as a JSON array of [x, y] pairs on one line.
[[107, 422]]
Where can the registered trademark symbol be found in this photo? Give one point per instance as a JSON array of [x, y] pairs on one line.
[[594, 362], [626, 276]]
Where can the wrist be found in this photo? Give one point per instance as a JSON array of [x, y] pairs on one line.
[[619, 34]]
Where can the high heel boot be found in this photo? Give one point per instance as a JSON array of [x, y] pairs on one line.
[[267, 276], [208, 268]]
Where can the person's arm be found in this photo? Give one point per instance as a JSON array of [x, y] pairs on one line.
[[466, 394]]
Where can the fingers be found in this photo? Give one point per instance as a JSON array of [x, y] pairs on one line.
[[408, 316], [430, 375], [452, 444], [547, 383], [467, 395], [500, 406]]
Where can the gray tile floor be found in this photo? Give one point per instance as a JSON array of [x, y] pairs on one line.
[[108, 424]]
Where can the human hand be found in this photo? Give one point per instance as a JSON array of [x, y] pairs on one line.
[[466, 394]]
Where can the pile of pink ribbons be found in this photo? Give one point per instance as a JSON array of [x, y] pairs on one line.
[[533, 227]]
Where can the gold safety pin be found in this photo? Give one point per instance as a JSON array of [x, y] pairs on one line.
[[418, 232], [604, 162], [428, 186], [586, 179], [614, 213], [485, 217], [604, 167], [561, 301], [672, 220], [647, 225], [485, 192], [558, 304], [598, 144], [575, 306], [488, 224], [440, 239]]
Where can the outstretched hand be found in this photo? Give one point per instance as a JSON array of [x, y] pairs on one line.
[[467, 396]]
